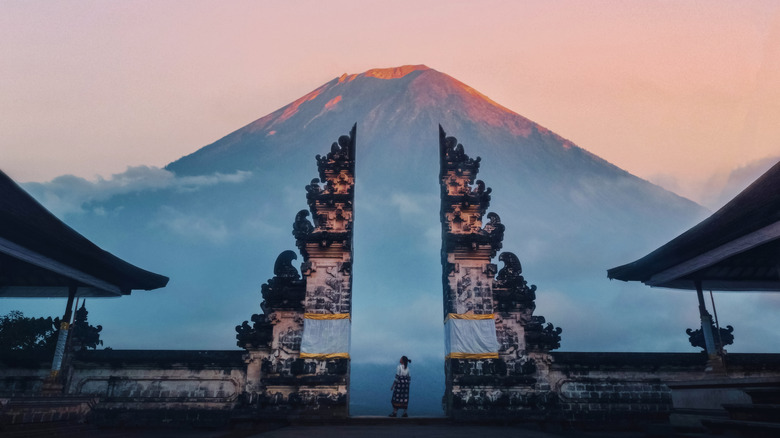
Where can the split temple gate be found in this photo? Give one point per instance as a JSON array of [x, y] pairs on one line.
[[298, 348], [294, 360]]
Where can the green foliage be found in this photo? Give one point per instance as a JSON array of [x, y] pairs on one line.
[[37, 335], [19, 333]]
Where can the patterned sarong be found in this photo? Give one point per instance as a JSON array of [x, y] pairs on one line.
[[401, 392]]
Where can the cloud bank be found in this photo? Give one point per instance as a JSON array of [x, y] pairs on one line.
[[718, 188], [69, 194]]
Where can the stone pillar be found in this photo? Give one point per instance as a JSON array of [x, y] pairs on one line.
[[54, 383], [62, 338], [715, 363], [706, 322], [467, 271], [298, 348], [253, 359], [497, 352], [326, 246]]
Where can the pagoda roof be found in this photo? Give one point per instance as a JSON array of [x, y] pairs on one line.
[[735, 249], [41, 256]]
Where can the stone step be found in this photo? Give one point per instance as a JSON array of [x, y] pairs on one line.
[[770, 395], [81, 430], [751, 412], [368, 420], [689, 435], [52, 429], [45, 409], [755, 429]]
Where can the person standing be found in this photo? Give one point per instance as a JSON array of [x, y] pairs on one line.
[[400, 387]]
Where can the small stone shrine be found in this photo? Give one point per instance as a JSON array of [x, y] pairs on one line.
[[496, 350], [298, 348]]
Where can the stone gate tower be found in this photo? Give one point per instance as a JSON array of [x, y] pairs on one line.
[[467, 250], [298, 348], [496, 350]]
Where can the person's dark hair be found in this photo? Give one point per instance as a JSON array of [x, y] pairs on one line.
[[405, 361]]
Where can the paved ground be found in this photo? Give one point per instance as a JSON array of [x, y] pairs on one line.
[[422, 431], [370, 427], [419, 427]]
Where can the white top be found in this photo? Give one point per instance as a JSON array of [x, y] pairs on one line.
[[401, 371]]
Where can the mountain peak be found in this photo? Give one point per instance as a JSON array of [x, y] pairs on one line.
[[407, 95], [392, 72]]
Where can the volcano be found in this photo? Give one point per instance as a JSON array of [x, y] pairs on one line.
[[395, 107], [397, 111], [216, 226]]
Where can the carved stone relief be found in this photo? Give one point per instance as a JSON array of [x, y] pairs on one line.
[[328, 292], [472, 292]]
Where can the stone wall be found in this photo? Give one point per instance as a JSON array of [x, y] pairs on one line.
[[22, 381], [192, 387], [619, 389], [208, 388], [131, 387], [612, 390], [26, 410], [160, 379]]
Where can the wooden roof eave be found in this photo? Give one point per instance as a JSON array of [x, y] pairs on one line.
[[75, 276], [33, 235], [751, 219], [679, 272]]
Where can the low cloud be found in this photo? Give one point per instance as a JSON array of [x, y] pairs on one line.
[[673, 184], [414, 329], [622, 317], [716, 189], [411, 206], [257, 227], [737, 180], [418, 218], [191, 225], [432, 237], [68, 194]]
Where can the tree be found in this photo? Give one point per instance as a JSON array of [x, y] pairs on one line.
[[36, 335], [20, 333]]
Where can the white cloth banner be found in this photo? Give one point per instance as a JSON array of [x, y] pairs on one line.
[[471, 336], [325, 336]]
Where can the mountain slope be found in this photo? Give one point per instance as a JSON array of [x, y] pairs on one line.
[[397, 111], [396, 105]]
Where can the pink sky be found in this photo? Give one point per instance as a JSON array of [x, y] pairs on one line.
[[679, 90]]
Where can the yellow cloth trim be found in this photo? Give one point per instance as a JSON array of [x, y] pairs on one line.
[[468, 316], [472, 356], [326, 316], [64, 325], [324, 356]]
